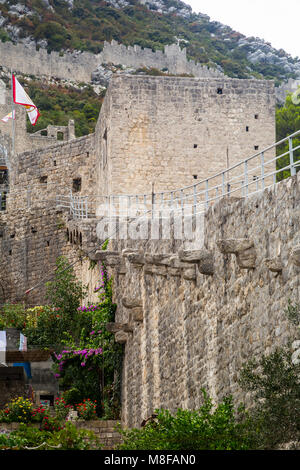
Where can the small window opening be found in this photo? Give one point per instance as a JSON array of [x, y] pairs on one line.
[[220, 91], [256, 116], [87, 154], [256, 147], [10, 252], [48, 243], [195, 177], [247, 128], [33, 230], [195, 146], [44, 133], [13, 235], [77, 185], [54, 162], [60, 135], [43, 179]]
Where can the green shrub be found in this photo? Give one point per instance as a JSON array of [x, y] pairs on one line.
[[9, 442], [71, 438], [274, 382], [208, 428], [68, 438]]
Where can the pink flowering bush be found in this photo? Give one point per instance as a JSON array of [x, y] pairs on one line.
[[79, 365]]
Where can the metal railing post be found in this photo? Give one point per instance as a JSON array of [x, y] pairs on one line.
[[246, 178], [195, 200], [291, 152], [152, 199], [206, 194], [262, 165]]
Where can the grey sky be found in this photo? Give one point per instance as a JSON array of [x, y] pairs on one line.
[[275, 21]]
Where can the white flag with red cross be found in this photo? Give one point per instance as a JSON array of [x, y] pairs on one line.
[[20, 97]]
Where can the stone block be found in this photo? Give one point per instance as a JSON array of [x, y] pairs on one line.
[[274, 264], [295, 255]]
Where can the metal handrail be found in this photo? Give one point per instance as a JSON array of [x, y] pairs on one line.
[[198, 195]]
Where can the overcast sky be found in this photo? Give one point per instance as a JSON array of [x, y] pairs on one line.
[[275, 21]]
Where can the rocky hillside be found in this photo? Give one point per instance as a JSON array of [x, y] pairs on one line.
[[86, 24]]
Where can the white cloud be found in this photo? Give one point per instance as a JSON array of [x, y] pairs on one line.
[[273, 20]]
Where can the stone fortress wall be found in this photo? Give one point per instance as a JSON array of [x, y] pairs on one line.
[[189, 318], [175, 131], [23, 139], [32, 229], [80, 65], [142, 118], [27, 60]]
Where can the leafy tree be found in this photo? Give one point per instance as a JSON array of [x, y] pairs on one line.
[[60, 318], [274, 384], [287, 122]]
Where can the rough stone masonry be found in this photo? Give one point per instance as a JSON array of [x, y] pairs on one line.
[[187, 318]]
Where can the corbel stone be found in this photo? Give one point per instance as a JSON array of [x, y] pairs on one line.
[[295, 255], [136, 315], [274, 264], [204, 258], [243, 248], [135, 307], [128, 251], [131, 302], [158, 259], [112, 257], [136, 258], [234, 245], [121, 337], [115, 327], [153, 269], [176, 263]]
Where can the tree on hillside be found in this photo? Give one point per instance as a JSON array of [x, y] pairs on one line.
[[287, 122]]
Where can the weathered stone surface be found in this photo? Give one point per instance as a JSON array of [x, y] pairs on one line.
[[121, 337], [128, 251], [234, 245], [136, 314], [242, 248], [295, 255], [136, 258], [158, 259], [132, 302], [274, 264], [198, 333], [153, 269], [246, 259], [103, 255], [191, 256], [189, 274], [114, 327]]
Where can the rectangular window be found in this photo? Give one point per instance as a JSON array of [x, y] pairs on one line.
[[76, 185]]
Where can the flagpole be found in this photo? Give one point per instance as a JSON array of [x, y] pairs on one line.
[[13, 120]]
